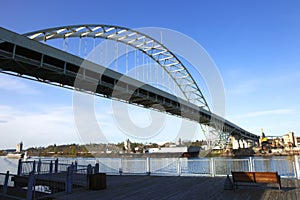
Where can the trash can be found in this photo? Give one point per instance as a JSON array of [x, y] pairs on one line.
[[97, 181]]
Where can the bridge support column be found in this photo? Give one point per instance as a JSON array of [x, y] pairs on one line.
[[250, 143], [235, 142], [243, 143]]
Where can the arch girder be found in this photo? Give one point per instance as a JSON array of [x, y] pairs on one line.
[[153, 48]]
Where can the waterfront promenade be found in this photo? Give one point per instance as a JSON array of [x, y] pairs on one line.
[[174, 187]]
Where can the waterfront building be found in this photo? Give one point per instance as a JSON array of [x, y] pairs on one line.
[[290, 140], [19, 148], [169, 150]]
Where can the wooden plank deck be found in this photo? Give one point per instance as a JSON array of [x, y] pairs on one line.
[[155, 187]]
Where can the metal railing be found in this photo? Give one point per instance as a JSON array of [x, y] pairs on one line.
[[41, 166], [134, 166], [196, 167], [164, 166], [222, 167], [5, 181], [110, 166], [287, 167]]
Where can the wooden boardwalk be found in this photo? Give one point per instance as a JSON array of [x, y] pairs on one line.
[[151, 187]]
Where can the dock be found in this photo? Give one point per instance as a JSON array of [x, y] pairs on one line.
[[174, 187]]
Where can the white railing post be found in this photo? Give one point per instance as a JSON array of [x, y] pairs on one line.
[[212, 167], [250, 164], [297, 166], [253, 164], [148, 172], [121, 167], [179, 166]]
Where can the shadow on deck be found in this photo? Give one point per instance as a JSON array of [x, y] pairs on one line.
[[151, 187]]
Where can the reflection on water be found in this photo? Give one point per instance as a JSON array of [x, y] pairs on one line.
[[7, 164]]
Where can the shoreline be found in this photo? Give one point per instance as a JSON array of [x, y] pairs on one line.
[[160, 155]]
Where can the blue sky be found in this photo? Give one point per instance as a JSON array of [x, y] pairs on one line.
[[254, 44]]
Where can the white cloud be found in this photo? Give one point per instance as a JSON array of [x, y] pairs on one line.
[[16, 84], [48, 126]]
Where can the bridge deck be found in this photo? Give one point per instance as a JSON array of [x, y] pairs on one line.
[[145, 187]]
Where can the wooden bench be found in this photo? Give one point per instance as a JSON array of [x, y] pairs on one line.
[[256, 177]]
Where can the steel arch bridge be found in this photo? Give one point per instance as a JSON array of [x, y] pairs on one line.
[[195, 107], [151, 47]]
